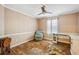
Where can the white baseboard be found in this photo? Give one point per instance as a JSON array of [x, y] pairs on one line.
[[20, 43]]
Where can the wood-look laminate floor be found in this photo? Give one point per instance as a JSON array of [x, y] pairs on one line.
[[42, 47]]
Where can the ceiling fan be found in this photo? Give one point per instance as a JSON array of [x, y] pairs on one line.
[[44, 11]]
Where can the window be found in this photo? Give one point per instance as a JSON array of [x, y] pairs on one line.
[[49, 26], [52, 26]]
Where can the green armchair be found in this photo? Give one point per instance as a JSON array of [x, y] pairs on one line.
[[38, 35]]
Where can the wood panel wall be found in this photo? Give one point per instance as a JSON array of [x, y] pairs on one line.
[[67, 23], [18, 26], [1, 20]]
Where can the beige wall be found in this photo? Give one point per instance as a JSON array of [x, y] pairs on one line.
[[1, 20], [19, 27], [78, 22], [18, 23], [68, 23], [42, 24]]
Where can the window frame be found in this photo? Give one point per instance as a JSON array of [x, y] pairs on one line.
[[51, 30]]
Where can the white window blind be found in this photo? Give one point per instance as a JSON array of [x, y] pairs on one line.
[[52, 25]]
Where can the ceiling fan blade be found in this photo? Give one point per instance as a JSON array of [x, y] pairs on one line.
[[45, 13], [40, 13], [49, 12]]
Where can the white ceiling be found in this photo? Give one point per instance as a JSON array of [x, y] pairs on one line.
[[35, 9]]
